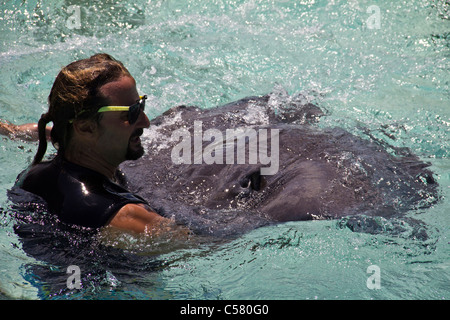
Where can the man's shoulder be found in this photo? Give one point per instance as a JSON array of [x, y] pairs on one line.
[[40, 179], [37, 173]]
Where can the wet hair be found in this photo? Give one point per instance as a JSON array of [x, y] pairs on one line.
[[75, 94]]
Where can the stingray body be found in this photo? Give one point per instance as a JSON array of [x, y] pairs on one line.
[[192, 171]]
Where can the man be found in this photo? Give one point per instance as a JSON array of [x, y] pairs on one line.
[[98, 119]]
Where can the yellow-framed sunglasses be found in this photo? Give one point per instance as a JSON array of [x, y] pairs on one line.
[[133, 111]]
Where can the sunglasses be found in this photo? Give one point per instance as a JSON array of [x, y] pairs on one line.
[[134, 110]]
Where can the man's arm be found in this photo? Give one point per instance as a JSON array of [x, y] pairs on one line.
[[136, 218], [28, 131]]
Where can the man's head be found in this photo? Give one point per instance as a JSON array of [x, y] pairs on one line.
[[113, 137], [79, 91]]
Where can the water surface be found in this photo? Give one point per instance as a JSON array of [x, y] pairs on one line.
[[386, 71]]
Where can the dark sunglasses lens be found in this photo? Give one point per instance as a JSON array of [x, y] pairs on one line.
[[135, 111]]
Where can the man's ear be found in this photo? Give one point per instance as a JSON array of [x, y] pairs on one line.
[[85, 128]]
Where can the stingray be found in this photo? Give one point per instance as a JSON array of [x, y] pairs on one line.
[[229, 169]]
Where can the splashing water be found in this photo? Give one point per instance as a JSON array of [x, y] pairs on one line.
[[379, 67]]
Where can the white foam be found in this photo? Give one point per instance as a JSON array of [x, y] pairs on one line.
[[155, 138]]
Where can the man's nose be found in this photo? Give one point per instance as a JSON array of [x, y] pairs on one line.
[[143, 121]]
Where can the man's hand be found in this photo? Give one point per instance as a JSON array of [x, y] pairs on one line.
[[28, 131], [136, 218]]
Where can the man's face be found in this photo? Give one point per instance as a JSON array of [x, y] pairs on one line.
[[118, 140]]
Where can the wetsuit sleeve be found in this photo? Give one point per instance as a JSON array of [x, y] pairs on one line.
[[76, 195], [91, 204]]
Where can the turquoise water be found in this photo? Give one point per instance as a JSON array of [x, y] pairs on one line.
[[386, 70]]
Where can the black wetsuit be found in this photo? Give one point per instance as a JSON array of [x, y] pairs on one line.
[[77, 195]]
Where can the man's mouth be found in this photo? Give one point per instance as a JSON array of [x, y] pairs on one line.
[[135, 139], [136, 136]]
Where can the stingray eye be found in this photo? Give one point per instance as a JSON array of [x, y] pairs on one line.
[[245, 182], [253, 181]]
